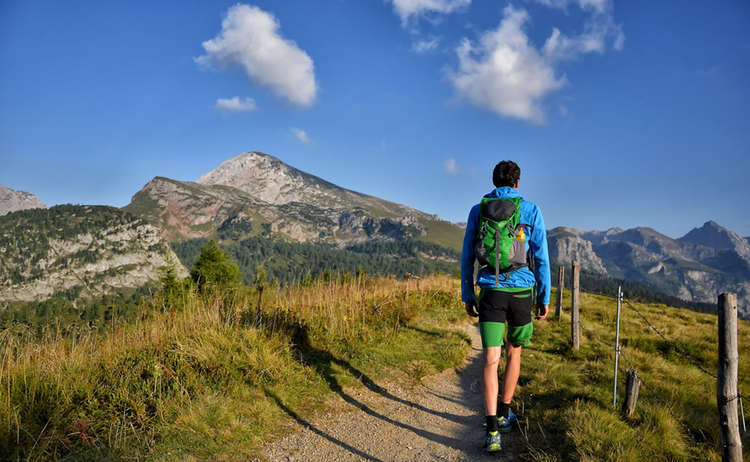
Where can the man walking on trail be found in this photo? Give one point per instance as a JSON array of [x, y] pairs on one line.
[[506, 235]]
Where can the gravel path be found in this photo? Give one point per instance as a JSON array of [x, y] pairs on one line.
[[440, 420]]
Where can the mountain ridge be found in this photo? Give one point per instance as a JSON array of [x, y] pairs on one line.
[[254, 195], [706, 261], [271, 197]]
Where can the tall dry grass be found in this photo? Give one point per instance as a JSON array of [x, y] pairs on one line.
[[199, 373]]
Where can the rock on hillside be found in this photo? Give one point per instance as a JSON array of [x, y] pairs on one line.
[[565, 246], [255, 193], [12, 201], [89, 250]]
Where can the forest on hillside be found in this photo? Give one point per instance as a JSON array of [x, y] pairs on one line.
[[291, 262]]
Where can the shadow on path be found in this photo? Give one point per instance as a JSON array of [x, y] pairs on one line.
[[322, 361], [317, 431], [447, 425]]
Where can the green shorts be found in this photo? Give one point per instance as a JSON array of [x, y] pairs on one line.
[[496, 307]]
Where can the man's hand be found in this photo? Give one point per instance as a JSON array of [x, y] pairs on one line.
[[471, 308], [541, 311]]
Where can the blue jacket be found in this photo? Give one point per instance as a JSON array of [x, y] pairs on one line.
[[537, 239]]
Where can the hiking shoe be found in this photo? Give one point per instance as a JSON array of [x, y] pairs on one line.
[[506, 424], [492, 442]]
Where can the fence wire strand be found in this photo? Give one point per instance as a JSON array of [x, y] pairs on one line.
[[689, 358], [679, 350]]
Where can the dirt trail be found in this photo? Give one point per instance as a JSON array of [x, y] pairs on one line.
[[441, 420]]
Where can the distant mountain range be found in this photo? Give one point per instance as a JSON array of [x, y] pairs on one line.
[[696, 267], [268, 212]]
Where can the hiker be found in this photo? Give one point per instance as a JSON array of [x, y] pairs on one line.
[[506, 235]]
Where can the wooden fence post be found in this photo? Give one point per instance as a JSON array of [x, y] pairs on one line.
[[632, 386], [560, 286], [726, 386], [575, 334]]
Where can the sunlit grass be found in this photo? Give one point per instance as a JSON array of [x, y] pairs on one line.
[[567, 396], [213, 376]]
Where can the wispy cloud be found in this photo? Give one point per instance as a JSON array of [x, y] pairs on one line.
[[599, 29], [250, 38], [505, 73], [708, 72], [407, 9], [235, 104], [450, 166], [301, 135], [425, 46]]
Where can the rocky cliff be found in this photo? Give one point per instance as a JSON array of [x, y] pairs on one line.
[[87, 250], [12, 201]]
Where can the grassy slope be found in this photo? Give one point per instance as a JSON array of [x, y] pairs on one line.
[[211, 377], [443, 233], [568, 396]]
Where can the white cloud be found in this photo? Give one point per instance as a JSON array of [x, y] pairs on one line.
[[406, 9], [507, 74], [599, 29], [235, 104], [504, 72], [301, 135], [425, 46], [250, 38], [450, 166]]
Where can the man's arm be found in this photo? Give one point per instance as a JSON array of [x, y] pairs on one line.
[[538, 244], [467, 257]]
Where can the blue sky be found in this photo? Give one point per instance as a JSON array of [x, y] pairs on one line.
[[620, 113]]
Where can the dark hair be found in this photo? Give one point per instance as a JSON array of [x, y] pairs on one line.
[[506, 173]]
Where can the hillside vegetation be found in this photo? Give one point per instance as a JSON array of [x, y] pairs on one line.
[[213, 376], [293, 262]]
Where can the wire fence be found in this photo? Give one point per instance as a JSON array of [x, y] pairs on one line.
[[651, 391], [676, 348]]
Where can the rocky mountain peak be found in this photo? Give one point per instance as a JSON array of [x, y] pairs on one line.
[[269, 179], [12, 201], [712, 234]]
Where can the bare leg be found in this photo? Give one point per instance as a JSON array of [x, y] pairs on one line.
[[512, 371], [489, 379]]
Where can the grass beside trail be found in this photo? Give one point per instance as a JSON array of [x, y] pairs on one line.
[[212, 377], [567, 397]]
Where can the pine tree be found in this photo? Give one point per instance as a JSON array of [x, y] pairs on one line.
[[215, 268]]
